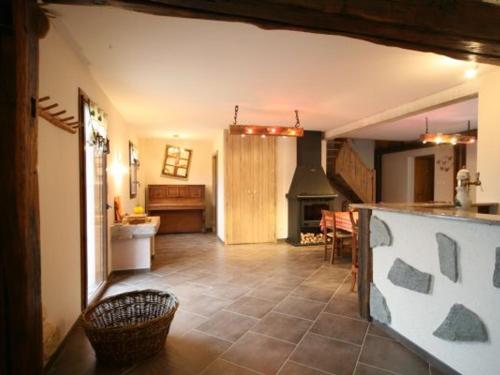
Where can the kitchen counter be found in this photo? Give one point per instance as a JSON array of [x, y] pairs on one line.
[[431, 274], [442, 210]]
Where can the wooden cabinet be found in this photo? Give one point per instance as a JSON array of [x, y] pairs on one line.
[[250, 189]]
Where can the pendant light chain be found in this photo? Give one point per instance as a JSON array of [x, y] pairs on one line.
[[297, 123], [236, 108]]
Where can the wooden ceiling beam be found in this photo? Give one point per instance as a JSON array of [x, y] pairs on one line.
[[461, 29]]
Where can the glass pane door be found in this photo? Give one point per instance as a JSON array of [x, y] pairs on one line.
[[95, 215]]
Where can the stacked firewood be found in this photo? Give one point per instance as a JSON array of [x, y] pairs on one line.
[[311, 238]]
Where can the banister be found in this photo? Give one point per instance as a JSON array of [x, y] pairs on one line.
[[355, 173]]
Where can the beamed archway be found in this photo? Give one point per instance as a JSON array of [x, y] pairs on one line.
[[462, 29]]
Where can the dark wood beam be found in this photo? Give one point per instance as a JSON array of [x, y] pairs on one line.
[[365, 262], [20, 303], [462, 29]]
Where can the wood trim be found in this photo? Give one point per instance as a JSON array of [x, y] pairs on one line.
[[422, 353], [20, 272], [215, 182], [365, 259], [466, 30], [82, 97], [62, 344]]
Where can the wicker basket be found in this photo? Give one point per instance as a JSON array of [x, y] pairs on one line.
[[128, 327]]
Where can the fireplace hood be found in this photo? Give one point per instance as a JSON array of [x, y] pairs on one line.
[[309, 179]]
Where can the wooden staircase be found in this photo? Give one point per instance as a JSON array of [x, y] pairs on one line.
[[348, 173]]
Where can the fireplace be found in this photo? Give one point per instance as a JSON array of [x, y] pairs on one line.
[[311, 212], [310, 191]]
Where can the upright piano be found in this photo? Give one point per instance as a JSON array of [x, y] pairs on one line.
[[181, 207]]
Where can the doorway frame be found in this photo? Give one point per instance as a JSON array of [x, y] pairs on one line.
[[82, 99], [22, 24], [215, 183], [411, 176]]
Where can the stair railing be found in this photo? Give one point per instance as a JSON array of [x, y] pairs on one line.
[[355, 173]]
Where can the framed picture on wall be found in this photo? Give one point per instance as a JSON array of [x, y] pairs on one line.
[[177, 161]]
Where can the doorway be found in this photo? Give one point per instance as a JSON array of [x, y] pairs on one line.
[[423, 185], [93, 200], [215, 160]]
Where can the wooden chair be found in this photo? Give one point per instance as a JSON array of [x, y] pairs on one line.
[[354, 255], [336, 236]]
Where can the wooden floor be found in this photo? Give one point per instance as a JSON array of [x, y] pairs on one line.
[[253, 309]]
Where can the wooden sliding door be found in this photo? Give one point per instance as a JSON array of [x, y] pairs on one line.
[[250, 189]]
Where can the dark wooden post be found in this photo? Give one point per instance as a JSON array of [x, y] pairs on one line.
[[365, 274], [20, 305]]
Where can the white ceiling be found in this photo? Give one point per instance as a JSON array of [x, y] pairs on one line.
[[448, 119], [179, 76]]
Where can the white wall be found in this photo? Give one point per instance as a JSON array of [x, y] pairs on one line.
[[61, 74], [416, 315], [286, 161], [398, 174], [488, 152], [152, 156]]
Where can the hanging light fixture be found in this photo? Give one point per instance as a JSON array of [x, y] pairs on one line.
[[266, 130], [440, 138]]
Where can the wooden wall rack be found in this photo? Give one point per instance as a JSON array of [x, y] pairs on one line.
[[68, 123]]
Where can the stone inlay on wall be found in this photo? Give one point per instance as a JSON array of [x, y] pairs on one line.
[[406, 276], [462, 324], [448, 256], [496, 273], [378, 306], [380, 235]]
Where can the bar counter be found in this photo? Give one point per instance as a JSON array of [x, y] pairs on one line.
[[444, 210], [429, 275]]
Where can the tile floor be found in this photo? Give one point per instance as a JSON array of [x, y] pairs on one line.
[[253, 309]]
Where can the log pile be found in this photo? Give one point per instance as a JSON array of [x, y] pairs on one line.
[[311, 238]]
